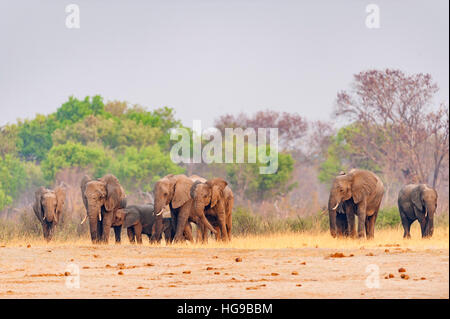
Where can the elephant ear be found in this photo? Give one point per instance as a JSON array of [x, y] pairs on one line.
[[182, 191], [363, 184], [37, 206], [416, 197], [60, 193], [115, 195], [132, 217], [217, 187], [193, 187]]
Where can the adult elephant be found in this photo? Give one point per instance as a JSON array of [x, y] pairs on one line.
[[216, 199], [102, 198], [174, 190], [417, 201], [360, 192], [48, 207]]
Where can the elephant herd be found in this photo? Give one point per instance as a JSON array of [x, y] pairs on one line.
[[209, 204], [359, 193], [193, 199]]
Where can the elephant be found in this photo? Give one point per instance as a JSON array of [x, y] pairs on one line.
[[417, 201], [48, 207], [341, 221], [360, 193], [174, 190], [216, 199], [140, 219], [102, 198]]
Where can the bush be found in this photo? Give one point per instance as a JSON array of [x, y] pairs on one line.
[[441, 220], [28, 226], [388, 217], [246, 222]]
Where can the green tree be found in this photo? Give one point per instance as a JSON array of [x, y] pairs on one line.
[[342, 155], [35, 137], [141, 168], [113, 133], [162, 118], [76, 110], [249, 183], [72, 154], [12, 179]]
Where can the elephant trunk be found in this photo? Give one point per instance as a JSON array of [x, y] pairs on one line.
[[429, 227], [207, 224], [159, 206], [93, 214], [49, 215], [158, 210], [333, 204]]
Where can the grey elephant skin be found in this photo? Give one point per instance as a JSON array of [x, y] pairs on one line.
[[216, 199], [356, 193], [140, 219], [48, 207], [417, 202], [174, 190], [102, 198]]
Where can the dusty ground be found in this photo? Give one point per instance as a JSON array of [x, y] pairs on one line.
[[192, 271]]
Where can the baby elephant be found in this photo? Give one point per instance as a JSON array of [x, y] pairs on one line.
[[417, 201], [140, 219]]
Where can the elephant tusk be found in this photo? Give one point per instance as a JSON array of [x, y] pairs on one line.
[[84, 219], [43, 218], [100, 217], [160, 212], [335, 207]]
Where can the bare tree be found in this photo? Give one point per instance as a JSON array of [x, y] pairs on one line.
[[394, 125], [292, 128]]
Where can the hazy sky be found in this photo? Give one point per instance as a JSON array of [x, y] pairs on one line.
[[206, 58]]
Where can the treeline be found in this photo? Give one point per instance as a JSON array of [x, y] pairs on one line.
[[128, 141], [392, 127]]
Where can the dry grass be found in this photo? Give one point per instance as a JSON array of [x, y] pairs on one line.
[[384, 238]]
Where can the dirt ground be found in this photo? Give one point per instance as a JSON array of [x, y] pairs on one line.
[[126, 271]]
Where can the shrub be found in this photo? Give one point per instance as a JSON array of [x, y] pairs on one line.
[[388, 217]]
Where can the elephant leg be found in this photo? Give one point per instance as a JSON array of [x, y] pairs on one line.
[[117, 233], [223, 227], [168, 234], [158, 229], [406, 225], [138, 233], [217, 228], [107, 221], [99, 231], [370, 226], [130, 233], [181, 224], [229, 225], [45, 230], [350, 214], [188, 232], [361, 220], [51, 231], [341, 225], [423, 227]]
